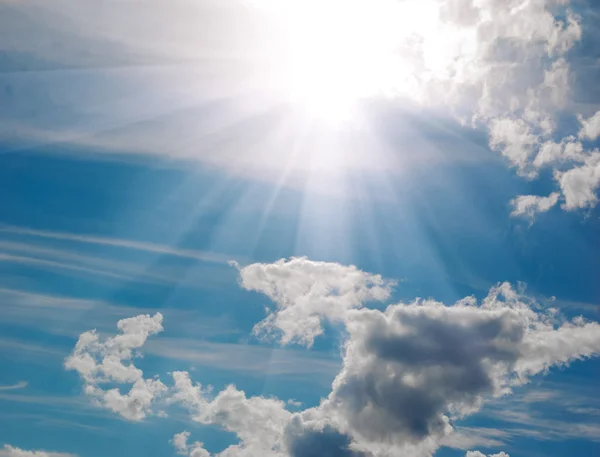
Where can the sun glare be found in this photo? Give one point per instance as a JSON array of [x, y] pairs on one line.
[[340, 52]]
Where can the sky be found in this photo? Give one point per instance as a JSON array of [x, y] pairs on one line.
[[262, 228]]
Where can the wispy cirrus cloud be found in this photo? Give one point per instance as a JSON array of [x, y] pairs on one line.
[[61, 315], [38, 252], [550, 411], [249, 359], [117, 243], [10, 451], [18, 385]]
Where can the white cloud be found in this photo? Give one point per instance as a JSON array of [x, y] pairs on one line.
[[556, 83], [521, 97], [481, 454], [10, 451], [530, 205], [195, 449], [553, 153], [513, 137], [407, 371], [564, 36], [258, 422], [590, 128], [469, 437], [307, 292], [180, 442], [99, 362], [116, 243], [579, 184], [18, 385]]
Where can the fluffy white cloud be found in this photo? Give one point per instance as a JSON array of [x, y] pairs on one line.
[[101, 362], [530, 205], [518, 98], [195, 449], [258, 422], [579, 184], [551, 153], [590, 128], [481, 454], [307, 292], [10, 451], [407, 371], [513, 137]]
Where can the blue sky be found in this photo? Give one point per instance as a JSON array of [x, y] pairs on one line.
[[152, 160]]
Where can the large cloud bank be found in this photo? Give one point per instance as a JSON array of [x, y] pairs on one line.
[[408, 371]]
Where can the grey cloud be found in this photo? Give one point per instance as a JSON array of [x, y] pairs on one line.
[[404, 370], [325, 442]]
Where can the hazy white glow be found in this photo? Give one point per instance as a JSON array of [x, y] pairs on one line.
[[342, 51]]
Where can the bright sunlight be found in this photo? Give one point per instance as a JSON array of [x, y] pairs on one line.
[[343, 51]]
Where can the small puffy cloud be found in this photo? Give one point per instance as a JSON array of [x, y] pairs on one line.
[[481, 454], [579, 184], [195, 449], [556, 153], [10, 451], [530, 205], [307, 292], [590, 128], [180, 442], [514, 139], [100, 362]]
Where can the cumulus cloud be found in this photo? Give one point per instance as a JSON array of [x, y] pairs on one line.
[[530, 205], [481, 454], [306, 292], [258, 422], [590, 128], [10, 451], [195, 449], [520, 82], [513, 137], [579, 184], [551, 153], [108, 362], [408, 371], [319, 439]]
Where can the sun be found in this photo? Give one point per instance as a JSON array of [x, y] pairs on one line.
[[342, 51], [339, 53]]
